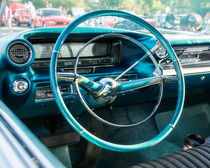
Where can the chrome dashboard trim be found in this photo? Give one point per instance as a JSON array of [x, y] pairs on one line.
[[188, 71]]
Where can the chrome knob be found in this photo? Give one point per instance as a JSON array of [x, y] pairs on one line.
[[20, 86]]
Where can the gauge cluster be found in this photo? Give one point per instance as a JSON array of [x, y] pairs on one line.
[[69, 50], [96, 54]]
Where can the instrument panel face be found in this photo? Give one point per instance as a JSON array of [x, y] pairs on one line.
[[96, 54], [70, 50]]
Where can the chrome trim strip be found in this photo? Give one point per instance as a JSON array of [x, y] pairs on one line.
[[187, 71]]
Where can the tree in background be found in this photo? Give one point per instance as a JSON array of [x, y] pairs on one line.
[[36, 3], [141, 7]]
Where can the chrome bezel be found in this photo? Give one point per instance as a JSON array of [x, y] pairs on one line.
[[159, 46], [15, 86], [25, 45]]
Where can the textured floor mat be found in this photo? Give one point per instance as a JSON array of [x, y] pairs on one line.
[[194, 120], [132, 135]]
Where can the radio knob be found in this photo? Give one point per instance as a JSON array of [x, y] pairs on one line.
[[20, 86]]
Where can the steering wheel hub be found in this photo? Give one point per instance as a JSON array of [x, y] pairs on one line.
[[108, 93]]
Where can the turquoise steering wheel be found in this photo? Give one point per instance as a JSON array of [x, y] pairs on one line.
[[97, 86]]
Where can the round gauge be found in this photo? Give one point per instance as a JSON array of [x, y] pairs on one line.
[[20, 53]]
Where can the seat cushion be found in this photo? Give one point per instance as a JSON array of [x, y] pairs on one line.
[[197, 157]]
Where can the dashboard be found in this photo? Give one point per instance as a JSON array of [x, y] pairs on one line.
[[104, 54], [26, 78], [97, 54]]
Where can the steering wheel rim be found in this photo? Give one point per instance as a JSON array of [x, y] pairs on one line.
[[69, 117]]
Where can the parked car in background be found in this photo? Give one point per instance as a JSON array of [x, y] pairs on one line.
[[191, 22], [21, 16], [127, 25], [50, 17]]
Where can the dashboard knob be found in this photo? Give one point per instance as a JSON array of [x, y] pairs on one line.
[[20, 86]]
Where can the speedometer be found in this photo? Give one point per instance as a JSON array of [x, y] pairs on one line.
[[20, 53]]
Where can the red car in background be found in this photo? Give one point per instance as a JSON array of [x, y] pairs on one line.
[[50, 17], [21, 16]]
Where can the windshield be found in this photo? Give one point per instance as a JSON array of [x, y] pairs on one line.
[[52, 13], [168, 16]]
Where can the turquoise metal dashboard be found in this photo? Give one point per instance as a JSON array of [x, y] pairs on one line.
[[25, 60]]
